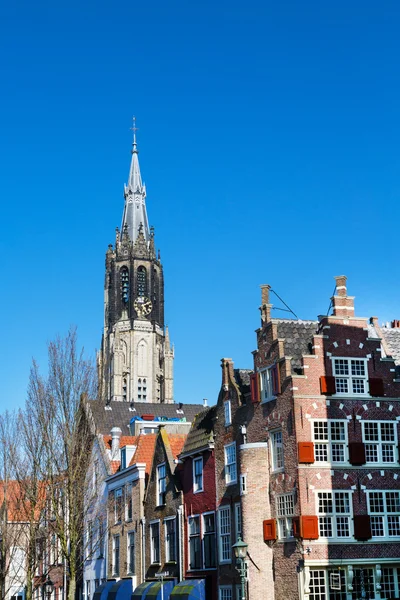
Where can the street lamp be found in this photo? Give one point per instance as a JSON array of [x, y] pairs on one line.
[[48, 588], [240, 551]]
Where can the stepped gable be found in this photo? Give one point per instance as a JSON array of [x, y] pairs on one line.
[[298, 336], [242, 378], [201, 434], [119, 414], [392, 339]]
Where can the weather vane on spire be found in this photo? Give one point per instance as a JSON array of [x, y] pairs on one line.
[[134, 129]]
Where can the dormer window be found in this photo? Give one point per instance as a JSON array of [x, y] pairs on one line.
[[141, 282], [124, 276]]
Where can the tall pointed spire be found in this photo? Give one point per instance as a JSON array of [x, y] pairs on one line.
[[135, 197]]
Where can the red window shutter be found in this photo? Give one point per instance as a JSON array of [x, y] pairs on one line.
[[306, 527], [362, 527], [276, 380], [306, 452], [296, 527], [328, 385], [309, 527], [376, 387], [357, 453], [269, 530], [254, 388]]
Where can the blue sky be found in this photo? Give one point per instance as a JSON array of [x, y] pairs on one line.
[[269, 143]]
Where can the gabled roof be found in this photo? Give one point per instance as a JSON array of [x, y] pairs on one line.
[[297, 336], [14, 499], [144, 450], [201, 435], [119, 414], [173, 444]]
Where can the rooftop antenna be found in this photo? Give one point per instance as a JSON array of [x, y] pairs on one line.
[[287, 309]]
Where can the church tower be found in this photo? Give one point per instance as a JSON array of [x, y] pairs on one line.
[[136, 359]]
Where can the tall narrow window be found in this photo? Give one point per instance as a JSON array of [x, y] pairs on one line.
[[141, 282], [198, 474], [131, 552], [194, 543], [209, 541], [155, 542], [115, 556], [161, 484], [170, 540], [224, 518], [124, 276]]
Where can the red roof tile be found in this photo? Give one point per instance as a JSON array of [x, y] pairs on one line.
[[145, 450], [177, 442]]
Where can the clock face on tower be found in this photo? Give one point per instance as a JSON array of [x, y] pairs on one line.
[[143, 306]]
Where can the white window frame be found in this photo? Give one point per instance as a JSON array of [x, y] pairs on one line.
[[205, 534], [324, 580], [128, 547], [225, 596], [128, 501], [152, 548], [116, 537], [243, 484], [161, 484], [196, 486], [274, 446], [328, 442], [385, 515], [267, 385], [335, 516], [381, 443], [238, 519], [227, 413], [118, 505], [231, 466], [350, 377], [284, 508], [224, 535], [169, 558], [193, 536]]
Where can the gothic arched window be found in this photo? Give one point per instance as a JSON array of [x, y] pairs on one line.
[[141, 282], [124, 276]]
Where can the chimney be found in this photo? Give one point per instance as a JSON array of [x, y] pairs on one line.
[[343, 305], [205, 402], [227, 372], [395, 324], [265, 307], [115, 437]]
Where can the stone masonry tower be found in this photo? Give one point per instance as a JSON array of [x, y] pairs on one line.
[[135, 362]]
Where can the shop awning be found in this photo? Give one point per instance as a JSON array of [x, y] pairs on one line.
[[121, 590], [101, 592], [191, 589], [142, 590], [155, 591]]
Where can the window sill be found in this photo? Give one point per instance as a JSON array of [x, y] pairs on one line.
[[198, 491], [277, 471], [155, 564], [225, 562], [171, 562], [266, 400], [231, 482]]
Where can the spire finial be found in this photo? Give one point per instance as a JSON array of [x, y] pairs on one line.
[[134, 129]]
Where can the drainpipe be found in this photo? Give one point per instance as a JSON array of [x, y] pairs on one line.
[[181, 541], [143, 523]]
